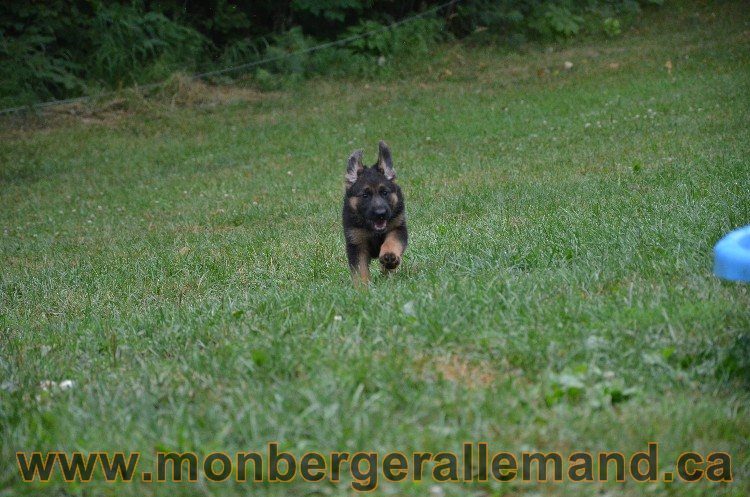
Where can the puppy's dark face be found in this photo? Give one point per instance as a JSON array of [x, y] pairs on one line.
[[373, 198]]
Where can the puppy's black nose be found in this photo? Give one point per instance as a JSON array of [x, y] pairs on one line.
[[379, 212]]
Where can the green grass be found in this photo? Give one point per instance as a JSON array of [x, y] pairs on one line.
[[185, 267]]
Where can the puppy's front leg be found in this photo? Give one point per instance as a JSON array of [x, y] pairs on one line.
[[392, 249], [359, 263]]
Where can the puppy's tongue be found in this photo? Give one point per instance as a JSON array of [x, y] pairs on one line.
[[380, 225]]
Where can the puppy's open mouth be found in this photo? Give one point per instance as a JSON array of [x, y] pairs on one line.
[[380, 225]]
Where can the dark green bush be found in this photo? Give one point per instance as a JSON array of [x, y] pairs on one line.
[[519, 20], [60, 48], [40, 54], [131, 45], [29, 73]]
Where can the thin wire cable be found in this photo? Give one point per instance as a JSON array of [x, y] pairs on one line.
[[240, 67]]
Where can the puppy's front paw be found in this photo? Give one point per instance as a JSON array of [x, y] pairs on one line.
[[389, 260]]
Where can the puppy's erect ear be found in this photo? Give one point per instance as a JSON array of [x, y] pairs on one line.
[[385, 162], [354, 167]]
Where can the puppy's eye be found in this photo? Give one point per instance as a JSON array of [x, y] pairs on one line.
[[365, 194], [384, 193]]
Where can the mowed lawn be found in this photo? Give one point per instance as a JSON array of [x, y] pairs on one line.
[[184, 266]]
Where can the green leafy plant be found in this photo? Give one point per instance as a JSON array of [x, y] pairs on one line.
[[289, 48], [380, 43], [241, 52], [129, 41], [29, 72], [552, 20], [599, 389], [611, 27], [410, 39]]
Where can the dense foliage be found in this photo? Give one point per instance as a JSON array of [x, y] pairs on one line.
[[60, 48]]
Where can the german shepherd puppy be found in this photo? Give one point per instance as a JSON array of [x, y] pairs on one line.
[[374, 217]]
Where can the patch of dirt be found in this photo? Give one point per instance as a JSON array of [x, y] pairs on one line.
[[184, 91], [457, 370]]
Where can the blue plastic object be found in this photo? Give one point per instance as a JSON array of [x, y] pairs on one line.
[[732, 256]]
